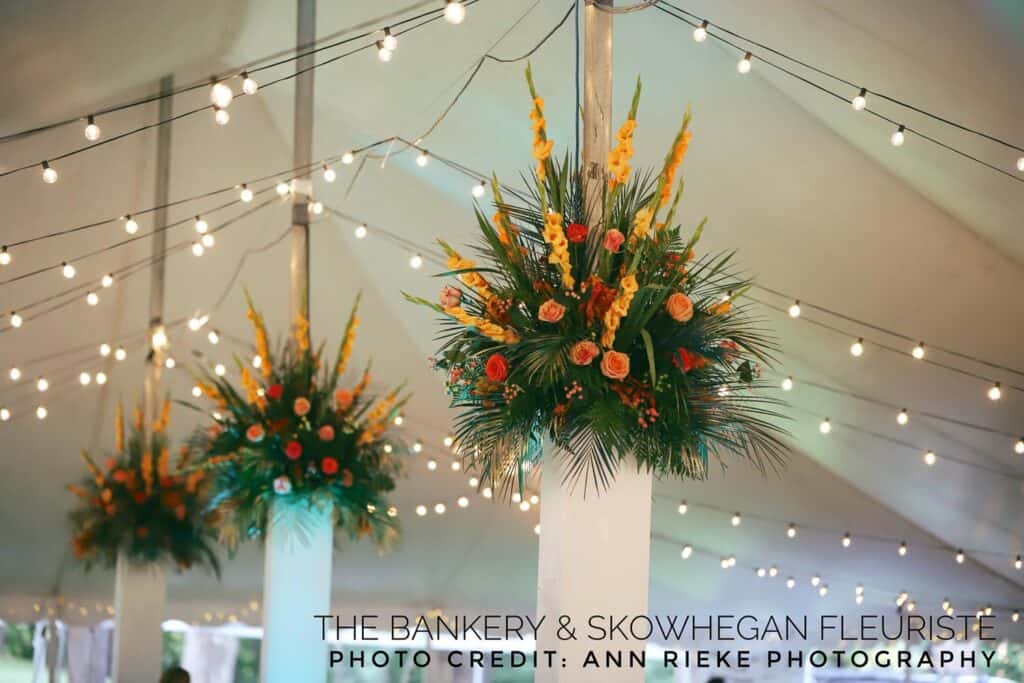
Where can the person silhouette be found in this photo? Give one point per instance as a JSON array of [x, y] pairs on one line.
[[175, 675]]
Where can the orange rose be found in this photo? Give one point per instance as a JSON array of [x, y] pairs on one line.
[[343, 399], [615, 365], [584, 352], [301, 406], [679, 307], [550, 311]]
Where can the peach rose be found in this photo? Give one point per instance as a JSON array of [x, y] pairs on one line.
[[615, 365], [613, 239], [679, 307], [301, 406], [551, 311], [326, 433], [584, 352], [254, 433], [450, 296], [343, 399]]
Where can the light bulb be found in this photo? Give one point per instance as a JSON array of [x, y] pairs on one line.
[[1020, 164], [686, 552], [456, 466], [399, 419], [249, 84], [847, 541], [5, 414], [902, 418], [388, 448], [221, 95], [791, 531], [42, 412], [92, 131], [347, 158], [16, 319], [463, 502], [104, 350], [736, 519], [448, 441], [683, 507], [859, 590], [390, 41], [724, 563], [959, 556], [790, 582], [857, 348], [169, 362], [454, 11], [159, 338], [257, 361], [825, 427], [329, 174], [995, 393], [903, 549], [860, 101], [49, 174], [14, 374], [120, 353], [316, 208], [534, 499], [787, 384], [282, 189], [197, 391], [1018, 447], [5, 256], [197, 249], [42, 384], [700, 34], [416, 262], [516, 497], [815, 580], [101, 378], [246, 194], [92, 298], [360, 231], [221, 116], [929, 458], [107, 280], [823, 591], [417, 447], [794, 310], [474, 482], [918, 351], [898, 138], [524, 505], [207, 240], [67, 270], [761, 572], [1015, 617], [1018, 563], [744, 64], [84, 379], [486, 492], [383, 54], [773, 571], [423, 159], [479, 189], [201, 225], [440, 508], [421, 510]]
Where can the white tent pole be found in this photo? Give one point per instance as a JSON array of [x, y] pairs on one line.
[[140, 593], [302, 152]]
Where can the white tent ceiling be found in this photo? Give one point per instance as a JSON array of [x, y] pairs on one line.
[[811, 193]]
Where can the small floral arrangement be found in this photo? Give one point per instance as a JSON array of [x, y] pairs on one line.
[[610, 338], [136, 505], [292, 433]]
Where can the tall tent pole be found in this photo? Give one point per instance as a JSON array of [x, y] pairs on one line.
[[140, 593], [594, 549]]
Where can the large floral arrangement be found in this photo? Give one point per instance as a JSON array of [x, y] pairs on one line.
[[292, 434], [610, 338], [136, 505]]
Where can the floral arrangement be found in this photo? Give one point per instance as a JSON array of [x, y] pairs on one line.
[[290, 433], [609, 338], [136, 505]]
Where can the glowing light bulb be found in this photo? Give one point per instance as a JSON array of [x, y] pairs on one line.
[[5, 256], [399, 419], [744, 64], [448, 441], [454, 11], [1018, 563], [219, 369], [815, 580], [1015, 617], [14, 374], [903, 549], [5, 414], [761, 572], [898, 138], [534, 499], [929, 458], [736, 519], [84, 379], [524, 505], [197, 249], [474, 482], [1018, 447], [825, 427], [42, 412], [67, 270], [249, 84], [440, 508], [463, 502], [246, 194], [169, 362], [197, 391], [383, 54], [416, 262], [960, 557], [201, 225], [421, 510], [282, 189], [516, 497], [918, 351], [360, 231], [794, 310], [390, 41], [257, 361], [101, 378], [823, 591], [159, 339], [456, 466], [857, 348], [700, 34], [42, 384], [104, 350], [92, 298], [316, 208], [686, 552], [724, 563], [329, 175], [790, 582], [120, 354], [107, 280], [995, 393], [479, 189], [847, 541], [859, 590], [16, 320], [683, 507], [773, 571], [92, 131], [49, 174], [221, 95], [487, 492], [388, 448], [417, 447], [221, 116], [791, 531], [860, 101], [207, 240], [347, 158], [787, 384], [423, 159], [903, 418]]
